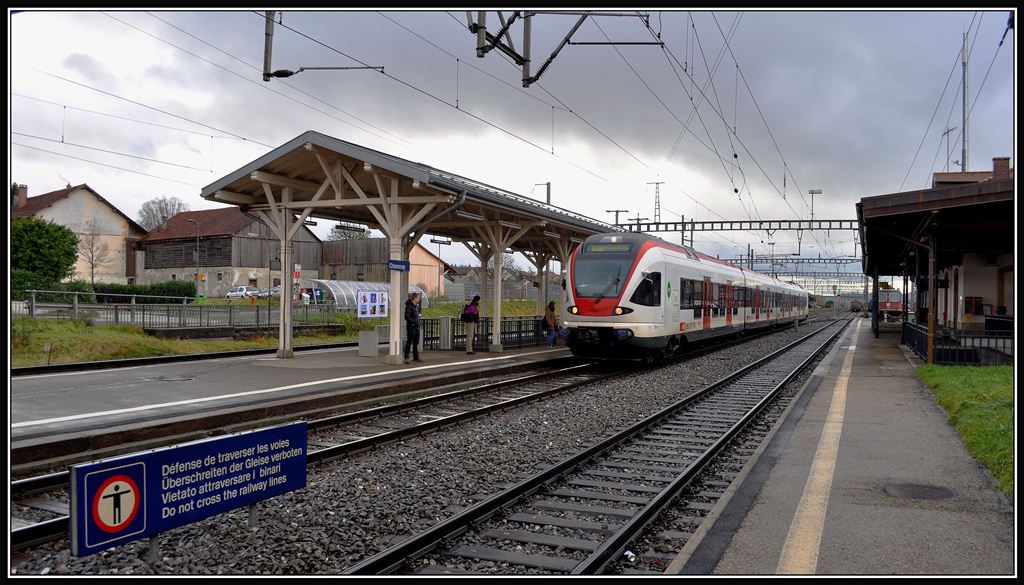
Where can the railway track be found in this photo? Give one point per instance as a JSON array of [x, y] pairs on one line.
[[40, 505], [578, 516], [33, 506]]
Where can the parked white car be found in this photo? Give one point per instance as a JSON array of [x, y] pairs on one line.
[[242, 292]]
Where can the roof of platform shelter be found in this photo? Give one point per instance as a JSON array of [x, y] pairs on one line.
[[966, 218], [297, 164]]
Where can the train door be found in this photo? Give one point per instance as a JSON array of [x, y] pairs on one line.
[[673, 303], [707, 303], [757, 303], [728, 302]]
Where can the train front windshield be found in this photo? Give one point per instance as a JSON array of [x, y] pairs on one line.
[[600, 275]]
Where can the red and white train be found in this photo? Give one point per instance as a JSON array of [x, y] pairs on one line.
[[635, 296]]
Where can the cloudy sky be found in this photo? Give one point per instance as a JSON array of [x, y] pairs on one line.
[[148, 104]]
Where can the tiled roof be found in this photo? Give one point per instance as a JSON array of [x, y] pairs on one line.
[[40, 202], [212, 222], [34, 205]]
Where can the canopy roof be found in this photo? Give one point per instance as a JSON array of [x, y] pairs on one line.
[[346, 292]]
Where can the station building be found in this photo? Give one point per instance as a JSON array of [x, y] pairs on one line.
[[954, 243]]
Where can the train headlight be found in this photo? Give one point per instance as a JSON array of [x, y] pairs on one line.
[[574, 310], [623, 334], [623, 310]]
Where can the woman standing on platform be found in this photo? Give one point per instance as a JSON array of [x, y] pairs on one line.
[[550, 323], [471, 316]]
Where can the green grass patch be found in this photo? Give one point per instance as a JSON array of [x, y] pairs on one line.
[[73, 341], [76, 341], [979, 401]]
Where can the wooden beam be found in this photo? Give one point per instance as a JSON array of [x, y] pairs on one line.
[[281, 181], [233, 197], [366, 202]]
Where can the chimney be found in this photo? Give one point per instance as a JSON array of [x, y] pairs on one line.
[[1000, 168], [163, 223], [20, 197]]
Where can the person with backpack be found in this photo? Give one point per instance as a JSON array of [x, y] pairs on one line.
[[471, 316], [550, 323]]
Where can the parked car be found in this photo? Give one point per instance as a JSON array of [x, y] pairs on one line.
[[242, 292], [269, 292]]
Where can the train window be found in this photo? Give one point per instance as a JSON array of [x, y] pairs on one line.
[[648, 292], [721, 299], [600, 276], [685, 294]]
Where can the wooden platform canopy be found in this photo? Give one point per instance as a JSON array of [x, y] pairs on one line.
[[314, 175]]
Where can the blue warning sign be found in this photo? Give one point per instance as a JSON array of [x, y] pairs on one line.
[[126, 498]]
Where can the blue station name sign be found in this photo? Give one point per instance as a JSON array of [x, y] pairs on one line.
[[118, 500], [398, 265]]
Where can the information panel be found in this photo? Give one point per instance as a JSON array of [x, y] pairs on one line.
[[118, 500], [372, 303]]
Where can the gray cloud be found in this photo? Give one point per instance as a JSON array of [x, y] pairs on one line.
[[847, 96]]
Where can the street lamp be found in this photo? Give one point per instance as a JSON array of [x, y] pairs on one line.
[[197, 254]]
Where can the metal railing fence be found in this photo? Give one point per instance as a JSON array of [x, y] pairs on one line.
[[961, 346]]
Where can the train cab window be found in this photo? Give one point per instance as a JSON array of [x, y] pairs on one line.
[[648, 292]]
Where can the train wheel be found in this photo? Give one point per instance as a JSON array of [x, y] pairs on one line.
[[672, 347]]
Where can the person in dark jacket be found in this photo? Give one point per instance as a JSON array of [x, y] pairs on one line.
[[412, 327], [471, 316]]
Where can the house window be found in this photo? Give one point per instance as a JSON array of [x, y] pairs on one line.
[[174, 277], [220, 276]]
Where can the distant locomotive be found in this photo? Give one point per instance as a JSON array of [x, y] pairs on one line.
[[856, 306], [636, 296], [890, 304]]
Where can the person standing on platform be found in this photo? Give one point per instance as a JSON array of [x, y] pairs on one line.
[[550, 323], [471, 316], [412, 327]]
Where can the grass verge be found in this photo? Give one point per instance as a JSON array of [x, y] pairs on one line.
[[979, 401], [74, 341]]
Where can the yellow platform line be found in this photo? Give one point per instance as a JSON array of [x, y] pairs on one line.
[[800, 552]]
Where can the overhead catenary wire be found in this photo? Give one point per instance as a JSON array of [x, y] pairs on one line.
[[605, 135], [445, 102], [62, 141], [248, 80], [974, 101], [689, 73], [956, 60], [104, 165], [285, 83], [155, 109], [15, 94]]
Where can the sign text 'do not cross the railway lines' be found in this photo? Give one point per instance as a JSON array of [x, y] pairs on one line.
[[118, 500]]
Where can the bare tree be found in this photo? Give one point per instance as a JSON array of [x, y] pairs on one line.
[[153, 212], [93, 249], [508, 265]]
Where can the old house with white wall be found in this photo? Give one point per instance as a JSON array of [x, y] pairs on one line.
[[82, 210]]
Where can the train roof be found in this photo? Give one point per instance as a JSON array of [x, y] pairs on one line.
[[690, 252]]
